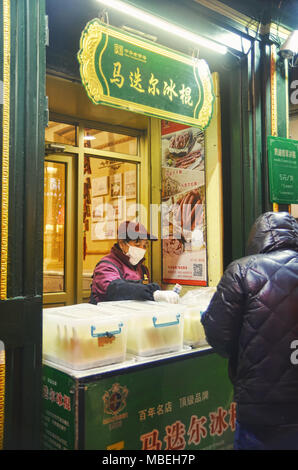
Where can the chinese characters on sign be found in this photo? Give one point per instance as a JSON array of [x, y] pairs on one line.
[[283, 170], [155, 410], [58, 412], [154, 86], [60, 399], [126, 72], [167, 407], [177, 435]]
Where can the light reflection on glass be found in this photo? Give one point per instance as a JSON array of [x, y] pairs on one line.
[[54, 226]]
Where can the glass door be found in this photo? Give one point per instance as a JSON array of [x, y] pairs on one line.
[[59, 234]]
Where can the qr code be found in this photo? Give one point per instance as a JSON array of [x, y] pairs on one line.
[[198, 270]]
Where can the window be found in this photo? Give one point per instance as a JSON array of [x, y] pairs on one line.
[[109, 141], [61, 133], [110, 197], [91, 184], [54, 226]]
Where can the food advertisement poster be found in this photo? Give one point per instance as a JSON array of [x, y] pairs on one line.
[[183, 214]]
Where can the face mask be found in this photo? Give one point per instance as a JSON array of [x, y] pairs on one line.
[[135, 254]]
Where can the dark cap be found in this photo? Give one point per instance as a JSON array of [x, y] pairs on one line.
[[130, 230]]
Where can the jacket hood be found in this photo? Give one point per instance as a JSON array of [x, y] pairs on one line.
[[273, 231]]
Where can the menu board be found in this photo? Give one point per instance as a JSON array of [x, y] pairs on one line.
[[183, 214]]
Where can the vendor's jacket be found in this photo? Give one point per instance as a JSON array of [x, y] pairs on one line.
[[253, 320], [115, 278]]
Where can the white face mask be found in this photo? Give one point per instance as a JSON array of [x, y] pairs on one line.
[[135, 254]]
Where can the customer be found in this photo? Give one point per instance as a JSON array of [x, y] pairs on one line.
[[253, 319], [121, 275]]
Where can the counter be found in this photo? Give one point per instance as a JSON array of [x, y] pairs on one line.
[[173, 401]]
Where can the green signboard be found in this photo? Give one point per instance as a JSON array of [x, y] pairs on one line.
[[59, 398], [124, 71], [283, 170], [182, 404]]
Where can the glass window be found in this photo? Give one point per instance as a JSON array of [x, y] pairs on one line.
[[2, 391], [61, 133], [110, 197], [54, 227], [102, 140]]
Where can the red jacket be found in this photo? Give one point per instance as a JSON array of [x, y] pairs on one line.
[[115, 278]]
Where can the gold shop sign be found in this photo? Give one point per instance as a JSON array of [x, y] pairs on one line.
[[125, 72]]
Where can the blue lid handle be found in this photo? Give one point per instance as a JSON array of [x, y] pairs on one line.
[[161, 325], [106, 333]]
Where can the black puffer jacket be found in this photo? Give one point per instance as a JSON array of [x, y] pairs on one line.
[[253, 319]]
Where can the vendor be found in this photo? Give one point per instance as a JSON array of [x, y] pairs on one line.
[[121, 275]]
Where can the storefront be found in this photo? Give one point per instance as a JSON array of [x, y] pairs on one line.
[[99, 173], [93, 159], [106, 162]]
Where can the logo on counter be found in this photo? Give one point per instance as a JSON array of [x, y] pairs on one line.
[[114, 402]]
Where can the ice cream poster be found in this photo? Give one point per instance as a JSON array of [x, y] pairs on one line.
[[183, 211]]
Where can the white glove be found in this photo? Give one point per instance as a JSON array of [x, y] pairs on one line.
[[166, 296]]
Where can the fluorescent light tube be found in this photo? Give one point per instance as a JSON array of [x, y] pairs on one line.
[[164, 25], [89, 137]]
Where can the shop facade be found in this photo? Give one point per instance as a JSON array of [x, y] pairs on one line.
[[67, 162]]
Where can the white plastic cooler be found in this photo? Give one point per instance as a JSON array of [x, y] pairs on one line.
[[153, 327], [82, 337], [195, 302], [194, 334]]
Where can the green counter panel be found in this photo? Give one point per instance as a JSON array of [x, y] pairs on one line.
[[60, 399], [183, 403]]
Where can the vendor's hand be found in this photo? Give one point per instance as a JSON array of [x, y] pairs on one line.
[[166, 296]]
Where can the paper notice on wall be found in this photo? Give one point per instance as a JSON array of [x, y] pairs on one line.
[[183, 214]]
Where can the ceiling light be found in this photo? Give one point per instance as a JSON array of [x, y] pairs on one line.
[[290, 47], [164, 25], [89, 137]]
